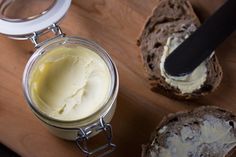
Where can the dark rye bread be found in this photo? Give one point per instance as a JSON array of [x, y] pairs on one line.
[[187, 126], [168, 18]]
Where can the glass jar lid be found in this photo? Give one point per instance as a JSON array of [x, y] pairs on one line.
[[24, 26]]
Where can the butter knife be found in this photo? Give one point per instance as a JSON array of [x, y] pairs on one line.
[[200, 45]]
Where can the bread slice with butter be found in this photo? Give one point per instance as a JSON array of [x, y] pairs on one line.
[[204, 132], [171, 23]]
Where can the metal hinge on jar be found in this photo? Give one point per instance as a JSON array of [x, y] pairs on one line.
[[53, 28], [84, 135]]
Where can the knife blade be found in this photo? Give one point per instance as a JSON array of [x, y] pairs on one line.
[[200, 45]]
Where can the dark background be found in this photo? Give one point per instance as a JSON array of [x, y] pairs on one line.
[[6, 152]]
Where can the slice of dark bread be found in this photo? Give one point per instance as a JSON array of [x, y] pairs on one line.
[[203, 132], [168, 18]]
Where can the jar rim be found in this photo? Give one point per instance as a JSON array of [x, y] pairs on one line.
[[80, 42]]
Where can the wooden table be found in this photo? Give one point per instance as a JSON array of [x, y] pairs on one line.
[[114, 24]]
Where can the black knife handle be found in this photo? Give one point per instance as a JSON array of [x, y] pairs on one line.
[[200, 45]]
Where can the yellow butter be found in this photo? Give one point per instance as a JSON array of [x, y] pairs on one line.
[[70, 83], [188, 83]]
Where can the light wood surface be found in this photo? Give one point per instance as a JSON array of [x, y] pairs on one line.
[[115, 25]]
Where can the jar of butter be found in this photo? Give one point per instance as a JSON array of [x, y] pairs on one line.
[[70, 83]]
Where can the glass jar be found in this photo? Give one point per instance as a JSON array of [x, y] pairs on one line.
[[82, 129], [79, 130]]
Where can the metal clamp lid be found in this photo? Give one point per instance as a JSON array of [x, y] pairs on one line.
[[23, 29], [53, 28], [84, 135]]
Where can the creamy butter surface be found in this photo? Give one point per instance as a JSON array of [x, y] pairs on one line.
[[70, 83], [188, 83]]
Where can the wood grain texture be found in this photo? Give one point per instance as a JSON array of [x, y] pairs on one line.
[[115, 25]]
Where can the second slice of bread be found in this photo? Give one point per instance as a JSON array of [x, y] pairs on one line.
[[204, 132]]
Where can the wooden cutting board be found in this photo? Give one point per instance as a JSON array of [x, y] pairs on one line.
[[115, 25]]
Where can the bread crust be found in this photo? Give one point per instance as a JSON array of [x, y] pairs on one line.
[[217, 111], [152, 43]]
